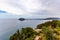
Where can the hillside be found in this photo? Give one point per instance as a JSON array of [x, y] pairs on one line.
[[53, 23], [49, 30]]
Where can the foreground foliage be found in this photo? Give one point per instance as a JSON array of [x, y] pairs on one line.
[[25, 34], [49, 31]]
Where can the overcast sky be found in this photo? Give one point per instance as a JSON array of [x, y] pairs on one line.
[[25, 8], [29, 8]]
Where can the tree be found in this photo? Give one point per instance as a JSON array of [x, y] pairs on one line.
[[49, 35], [15, 36], [27, 32], [52, 23], [24, 34]]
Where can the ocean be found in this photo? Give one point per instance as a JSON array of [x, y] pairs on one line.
[[9, 26]]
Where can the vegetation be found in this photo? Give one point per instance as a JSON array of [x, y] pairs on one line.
[[25, 34], [48, 31], [53, 23]]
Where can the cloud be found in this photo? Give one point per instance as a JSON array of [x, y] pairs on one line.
[[52, 8], [52, 5], [2, 11], [20, 7], [31, 8], [5, 15]]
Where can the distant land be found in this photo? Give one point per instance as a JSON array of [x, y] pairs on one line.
[[49, 18], [52, 18]]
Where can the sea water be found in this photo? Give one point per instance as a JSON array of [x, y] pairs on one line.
[[9, 26]]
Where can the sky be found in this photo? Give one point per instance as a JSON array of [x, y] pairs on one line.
[[25, 8], [29, 8]]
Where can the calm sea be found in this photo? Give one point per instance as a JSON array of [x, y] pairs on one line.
[[9, 26]]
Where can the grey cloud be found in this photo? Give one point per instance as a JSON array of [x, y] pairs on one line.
[[43, 12], [1, 11], [52, 8], [53, 5]]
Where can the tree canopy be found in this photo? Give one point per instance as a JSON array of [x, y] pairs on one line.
[[52, 23], [49, 30]]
